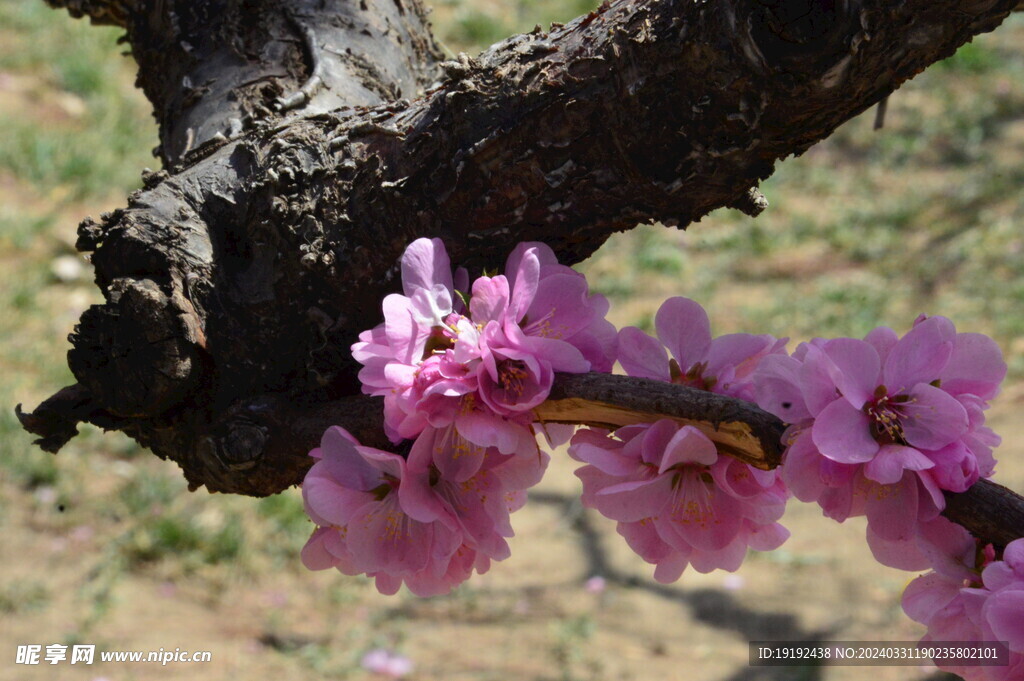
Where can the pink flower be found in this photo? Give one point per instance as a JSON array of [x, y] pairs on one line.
[[969, 596], [722, 365], [468, 489], [881, 426], [483, 366], [676, 500], [387, 663], [352, 494], [556, 305], [427, 523]]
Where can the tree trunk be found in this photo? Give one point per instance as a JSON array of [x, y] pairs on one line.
[[306, 144]]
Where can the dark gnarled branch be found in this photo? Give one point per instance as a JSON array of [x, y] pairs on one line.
[[235, 286]]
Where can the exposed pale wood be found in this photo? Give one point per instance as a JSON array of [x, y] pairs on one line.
[[739, 428]]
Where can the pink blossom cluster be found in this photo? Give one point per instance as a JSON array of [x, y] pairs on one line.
[[881, 426], [461, 376], [428, 521], [481, 364], [970, 596], [676, 500]]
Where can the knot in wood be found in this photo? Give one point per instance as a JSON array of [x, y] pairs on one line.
[[243, 446], [134, 354]]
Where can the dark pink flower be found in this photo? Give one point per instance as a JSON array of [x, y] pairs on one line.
[[881, 426], [483, 366]]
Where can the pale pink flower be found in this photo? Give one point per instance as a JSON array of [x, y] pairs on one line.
[[722, 365], [733, 582], [352, 494], [684, 505], [970, 596], [467, 488], [677, 502], [427, 523], [387, 663]]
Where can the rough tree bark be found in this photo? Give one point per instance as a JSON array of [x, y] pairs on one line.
[[307, 142]]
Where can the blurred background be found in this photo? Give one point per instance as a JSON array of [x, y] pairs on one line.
[[103, 544]]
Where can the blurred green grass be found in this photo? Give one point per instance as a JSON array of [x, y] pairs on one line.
[[88, 138], [469, 26], [867, 228]]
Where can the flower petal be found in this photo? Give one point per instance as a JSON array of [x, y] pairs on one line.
[[671, 567], [976, 366], [892, 509], [327, 502], [654, 441], [926, 596], [801, 467], [560, 307], [933, 418], [842, 434], [732, 349], [900, 554], [490, 299], [314, 555], [603, 456], [644, 540], [684, 328], [817, 378], [524, 284], [1005, 614], [642, 355], [920, 356], [777, 387], [688, 446], [405, 336], [636, 500], [883, 340], [728, 558], [858, 366], [424, 264], [949, 547], [888, 465], [1014, 556], [768, 537]]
